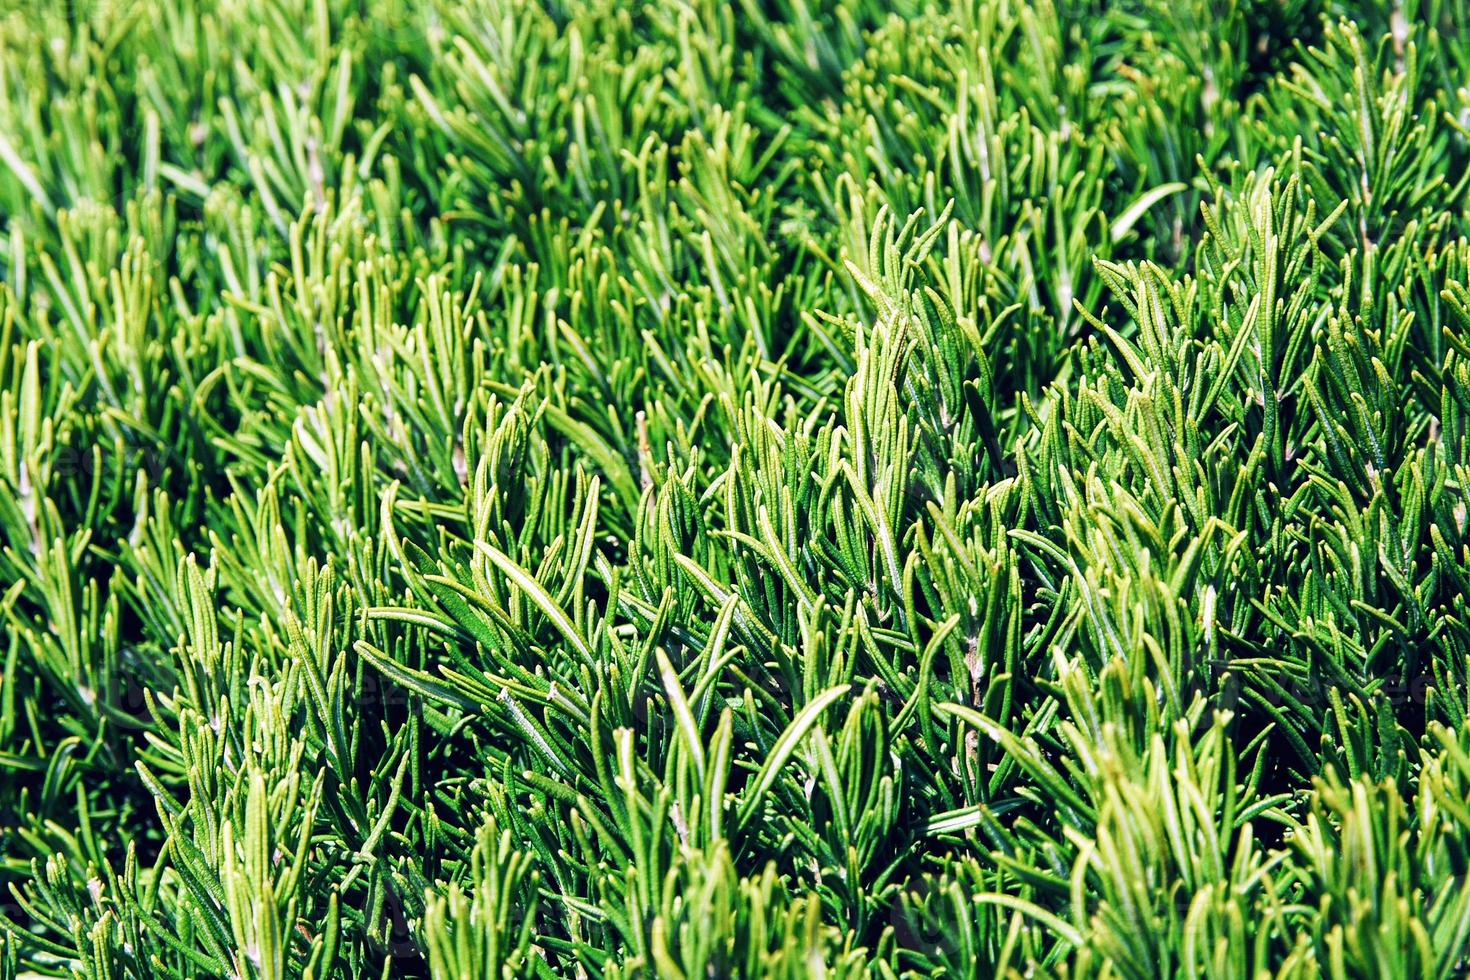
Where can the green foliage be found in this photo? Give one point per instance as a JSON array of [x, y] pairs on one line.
[[792, 488]]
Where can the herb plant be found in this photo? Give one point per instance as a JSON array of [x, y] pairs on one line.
[[787, 488]]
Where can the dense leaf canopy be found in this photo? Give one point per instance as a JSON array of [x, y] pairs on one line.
[[786, 488]]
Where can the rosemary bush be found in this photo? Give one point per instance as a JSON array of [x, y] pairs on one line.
[[788, 488]]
